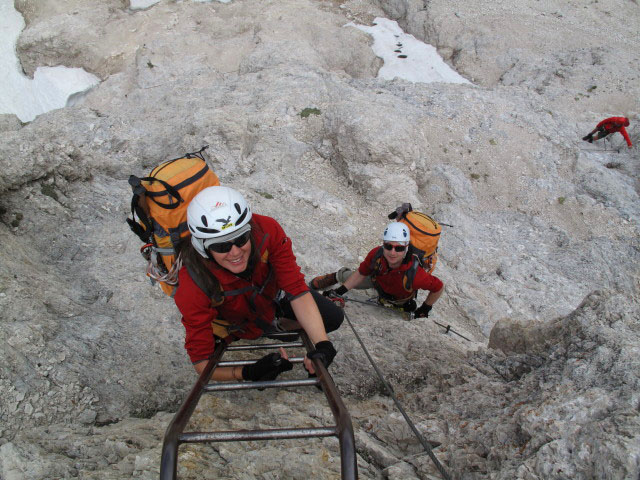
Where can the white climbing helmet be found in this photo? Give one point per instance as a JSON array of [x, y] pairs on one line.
[[217, 215], [396, 232]]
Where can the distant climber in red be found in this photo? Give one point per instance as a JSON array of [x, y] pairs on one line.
[[607, 126]]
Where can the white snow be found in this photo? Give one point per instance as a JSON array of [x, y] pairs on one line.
[[142, 4], [51, 87], [405, 56]]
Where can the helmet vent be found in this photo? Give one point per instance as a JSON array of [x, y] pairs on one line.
[[241, 217], [238, 209], [203, 218], [207, 230]]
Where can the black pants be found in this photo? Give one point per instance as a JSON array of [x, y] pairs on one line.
[[332, 315]]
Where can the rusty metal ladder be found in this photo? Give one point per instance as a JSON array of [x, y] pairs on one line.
[[343, 429]]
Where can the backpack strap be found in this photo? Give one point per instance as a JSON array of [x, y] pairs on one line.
[[171, 191], [255, 291], [144, 233], [218, 297], [421, 231], [410, 274], [376, 263], [198, 154]]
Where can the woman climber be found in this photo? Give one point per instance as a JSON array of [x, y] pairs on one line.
[[240, 279]]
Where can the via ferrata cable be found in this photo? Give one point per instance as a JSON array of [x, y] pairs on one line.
[[389, 389], [375, 304]]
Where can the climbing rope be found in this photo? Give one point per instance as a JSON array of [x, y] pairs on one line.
[[389, 389], [158, 273]]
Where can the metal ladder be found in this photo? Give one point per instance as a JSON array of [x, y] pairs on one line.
[[343, 429]]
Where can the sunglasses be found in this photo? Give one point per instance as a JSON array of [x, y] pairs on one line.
[[226, 247], [397, 248]]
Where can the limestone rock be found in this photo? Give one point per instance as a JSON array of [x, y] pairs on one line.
[[540, 254]]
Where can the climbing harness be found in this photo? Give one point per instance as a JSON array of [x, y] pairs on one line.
[[392, 394], [374, 303]]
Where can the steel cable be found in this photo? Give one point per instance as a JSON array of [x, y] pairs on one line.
[[386, 384], [375, 304]]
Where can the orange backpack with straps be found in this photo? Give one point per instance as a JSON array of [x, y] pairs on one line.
[[425, 234], [160, 204]]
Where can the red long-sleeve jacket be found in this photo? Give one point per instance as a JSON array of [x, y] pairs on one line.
[[391, 280], [276, 256], [616, 124]]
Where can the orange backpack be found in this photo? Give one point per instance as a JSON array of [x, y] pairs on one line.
[[425, 234], [160, 204]]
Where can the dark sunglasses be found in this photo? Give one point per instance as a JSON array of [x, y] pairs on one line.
[[397, 248], [227, 246]]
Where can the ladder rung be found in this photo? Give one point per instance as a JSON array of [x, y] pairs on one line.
[[293, 334], [265, 346], [228, 386], [245, 435], [237, 363]]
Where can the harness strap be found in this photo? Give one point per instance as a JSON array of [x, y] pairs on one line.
[[376, 263], [215, 299], [240, 326], [410, 274], [407, 279]]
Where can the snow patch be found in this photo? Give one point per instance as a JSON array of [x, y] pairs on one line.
[[405, 56], [142, 4], [50, 88]]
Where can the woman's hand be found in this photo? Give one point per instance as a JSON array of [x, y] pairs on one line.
[[324, 351], [268, 367]]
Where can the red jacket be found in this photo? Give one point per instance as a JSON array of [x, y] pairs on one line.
[[197, 313], [390, 280], [616, 124]]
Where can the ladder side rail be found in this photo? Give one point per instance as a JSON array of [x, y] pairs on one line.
[[348, 460], [169, 460]]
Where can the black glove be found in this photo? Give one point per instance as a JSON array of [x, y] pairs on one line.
[[410, 306], [336, 292], [588, 138], [267, 368], [423, 311], [324, 351]]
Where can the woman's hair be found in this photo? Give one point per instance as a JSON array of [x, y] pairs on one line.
[[200, 266]]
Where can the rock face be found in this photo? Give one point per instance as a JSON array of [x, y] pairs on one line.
[[541, 261]]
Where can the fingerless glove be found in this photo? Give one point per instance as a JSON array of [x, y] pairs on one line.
[[336, 292], [267, 368], [423, 311], [324, 351]]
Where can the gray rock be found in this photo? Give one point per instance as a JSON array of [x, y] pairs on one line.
[[9, 122], [541, 261]]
